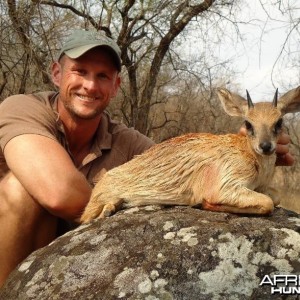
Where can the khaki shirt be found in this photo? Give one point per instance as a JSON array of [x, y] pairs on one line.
[[113, 144]]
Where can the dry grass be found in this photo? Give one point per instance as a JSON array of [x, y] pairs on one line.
[[290, 200]]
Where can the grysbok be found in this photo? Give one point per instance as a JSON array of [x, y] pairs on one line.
[[228, 173]]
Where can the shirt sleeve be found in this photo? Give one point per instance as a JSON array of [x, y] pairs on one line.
[[130, 142], [24, 114], [139, 144]]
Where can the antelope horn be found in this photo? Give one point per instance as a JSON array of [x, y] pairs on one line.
[[250, 103], [275, 98]]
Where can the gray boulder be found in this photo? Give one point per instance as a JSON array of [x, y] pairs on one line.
[[150, 253]]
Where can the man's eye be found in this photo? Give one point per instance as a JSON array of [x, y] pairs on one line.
[[80, 71], [102, 76]]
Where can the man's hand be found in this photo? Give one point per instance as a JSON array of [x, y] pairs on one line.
[[284, 157]]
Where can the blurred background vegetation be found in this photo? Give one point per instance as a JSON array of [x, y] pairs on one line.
[[165, 92]]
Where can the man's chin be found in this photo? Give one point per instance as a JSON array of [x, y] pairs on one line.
[[85, 116]]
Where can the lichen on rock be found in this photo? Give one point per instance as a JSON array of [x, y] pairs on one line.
[[151, 253]]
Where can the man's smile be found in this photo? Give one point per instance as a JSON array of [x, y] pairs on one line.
[[87, 98]]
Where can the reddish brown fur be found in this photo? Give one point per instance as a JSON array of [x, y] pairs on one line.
[[223, 172]]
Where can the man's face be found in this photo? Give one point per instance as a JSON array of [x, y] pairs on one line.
[[87, 83]]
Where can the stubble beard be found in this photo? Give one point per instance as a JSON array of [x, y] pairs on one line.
[[76, 115]]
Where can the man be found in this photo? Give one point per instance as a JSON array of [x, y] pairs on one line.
[[55, 146]]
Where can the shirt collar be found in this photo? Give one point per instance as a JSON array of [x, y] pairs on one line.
[[103, 137]]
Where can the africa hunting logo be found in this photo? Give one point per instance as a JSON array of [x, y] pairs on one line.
[[282, 284]]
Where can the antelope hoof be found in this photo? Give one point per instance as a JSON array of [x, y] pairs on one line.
[[276, 201], [108, 210]]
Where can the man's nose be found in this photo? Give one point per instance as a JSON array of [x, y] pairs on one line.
[[91, 83]]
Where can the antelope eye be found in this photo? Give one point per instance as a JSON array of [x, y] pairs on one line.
[[278, 126], [249, 127]]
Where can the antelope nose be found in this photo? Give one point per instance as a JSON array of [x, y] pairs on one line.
[[266, 147]]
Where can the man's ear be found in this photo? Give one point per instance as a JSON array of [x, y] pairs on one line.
[[116, 86], [56, 73]]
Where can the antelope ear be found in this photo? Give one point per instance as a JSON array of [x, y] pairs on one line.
[[290, 102], [233, 104]]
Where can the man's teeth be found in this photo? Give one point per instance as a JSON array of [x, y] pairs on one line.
[[86, 98]]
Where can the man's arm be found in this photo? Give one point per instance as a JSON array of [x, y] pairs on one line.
[[46, 171]]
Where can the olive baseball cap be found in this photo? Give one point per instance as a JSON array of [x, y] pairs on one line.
[[81, 41]]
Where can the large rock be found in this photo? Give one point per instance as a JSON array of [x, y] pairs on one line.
[[170, 253]]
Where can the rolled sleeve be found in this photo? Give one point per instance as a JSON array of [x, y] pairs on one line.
[[24, 114]]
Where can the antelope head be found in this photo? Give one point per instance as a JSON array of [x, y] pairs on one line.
[[263, 120]]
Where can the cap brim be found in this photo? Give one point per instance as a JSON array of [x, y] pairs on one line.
[[79, 51]]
